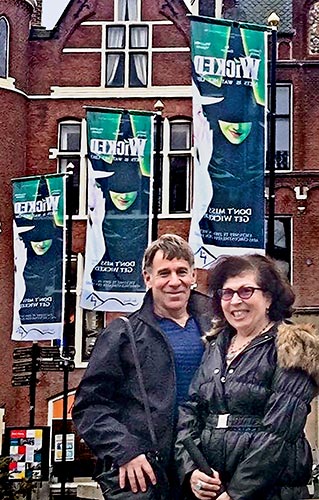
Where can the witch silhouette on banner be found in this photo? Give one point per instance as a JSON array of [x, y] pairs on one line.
[[39, 255], [229, 122], [118, 228]]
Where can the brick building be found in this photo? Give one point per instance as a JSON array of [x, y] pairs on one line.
[[48, 77]]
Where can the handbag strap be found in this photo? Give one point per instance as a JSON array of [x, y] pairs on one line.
[[141, 381]]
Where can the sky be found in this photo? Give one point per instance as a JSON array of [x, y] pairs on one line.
[[52, 10]]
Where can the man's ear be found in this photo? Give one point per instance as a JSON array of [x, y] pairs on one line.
[[147, 279], [194, 276]]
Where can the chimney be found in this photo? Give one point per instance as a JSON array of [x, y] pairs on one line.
[[37, 15]]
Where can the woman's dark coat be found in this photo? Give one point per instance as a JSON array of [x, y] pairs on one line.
[[267, 390]]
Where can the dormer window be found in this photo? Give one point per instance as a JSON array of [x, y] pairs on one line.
[[4, 37]]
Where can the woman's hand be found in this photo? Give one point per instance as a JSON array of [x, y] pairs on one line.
[[204, 486], [224, 496]]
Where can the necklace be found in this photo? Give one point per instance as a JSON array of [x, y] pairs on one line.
[[232, 352]]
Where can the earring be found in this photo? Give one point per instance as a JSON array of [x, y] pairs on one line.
[[267, 311]]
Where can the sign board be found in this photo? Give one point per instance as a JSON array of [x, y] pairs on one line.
[[22, 353], [69, 455], [21, 380], [28, 449]]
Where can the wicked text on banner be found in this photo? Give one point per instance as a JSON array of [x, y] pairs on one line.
[[229, 63], [120, 145], [39, 256]]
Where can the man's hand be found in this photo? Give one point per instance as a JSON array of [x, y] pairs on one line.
[[205, 487], [135, 470]]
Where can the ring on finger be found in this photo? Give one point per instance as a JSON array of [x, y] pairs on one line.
[[198, 486]]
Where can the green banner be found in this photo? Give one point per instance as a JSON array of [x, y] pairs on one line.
[[120, 145], [229, 62], [39, 253]]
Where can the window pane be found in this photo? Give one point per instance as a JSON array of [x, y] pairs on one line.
[[63, 167], [70, 137], [138, 70], [139, 37], [282, 243], [115, 70], [282, 100], [282, 134], [115, 37], [127, 10], [178, 184], [3, 47], [180, 136], [93, 323]]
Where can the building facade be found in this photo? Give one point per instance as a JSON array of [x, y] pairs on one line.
[[129, 54]]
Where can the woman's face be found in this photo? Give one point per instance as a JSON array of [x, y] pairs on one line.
[[41, 247], [235, 133], [247, 316], [123, 201]]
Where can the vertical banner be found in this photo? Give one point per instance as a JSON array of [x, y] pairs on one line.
[[118, 231], [39, 255], [229, 62]]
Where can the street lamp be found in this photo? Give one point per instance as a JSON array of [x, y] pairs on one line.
[[159, 106], [273, 21]]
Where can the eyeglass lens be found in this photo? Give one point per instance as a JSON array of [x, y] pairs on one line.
[[244, 292]]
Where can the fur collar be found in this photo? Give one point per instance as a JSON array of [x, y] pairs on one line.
[[298, 347]]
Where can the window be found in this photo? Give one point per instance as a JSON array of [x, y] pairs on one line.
[[127, 57], [283, 127], [71, 155], [4, 32], [282, 243], [175, 167], [313, 29], [127, 10]]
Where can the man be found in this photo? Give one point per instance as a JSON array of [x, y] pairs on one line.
[[108, 410]]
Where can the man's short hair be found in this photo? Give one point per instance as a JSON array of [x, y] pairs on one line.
[[172, 246]]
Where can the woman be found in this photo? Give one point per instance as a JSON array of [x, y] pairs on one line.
[[250, 397]]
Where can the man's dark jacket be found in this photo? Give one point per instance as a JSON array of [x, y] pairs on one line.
[[108, 410]]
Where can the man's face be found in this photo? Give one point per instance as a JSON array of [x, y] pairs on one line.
[[170, 281]]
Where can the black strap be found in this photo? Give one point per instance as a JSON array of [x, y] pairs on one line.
[[141, 382]]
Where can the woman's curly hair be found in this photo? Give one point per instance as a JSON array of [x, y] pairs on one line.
[[268, 277]]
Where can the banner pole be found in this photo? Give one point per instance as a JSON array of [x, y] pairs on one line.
[[67, 326], [33, 382], [157, 167], [273, 20]]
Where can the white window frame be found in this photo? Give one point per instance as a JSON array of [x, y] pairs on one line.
[[5, 76], [126, 50], [166, 154], [290, 243], [82, 155], [290, 122]]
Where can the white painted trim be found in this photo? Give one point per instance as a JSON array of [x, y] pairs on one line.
[[33, 3], [174, 91], [88, 50], [111, 23]]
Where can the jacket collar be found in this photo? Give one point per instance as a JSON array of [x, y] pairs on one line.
[[298, 348], [199, 306]]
